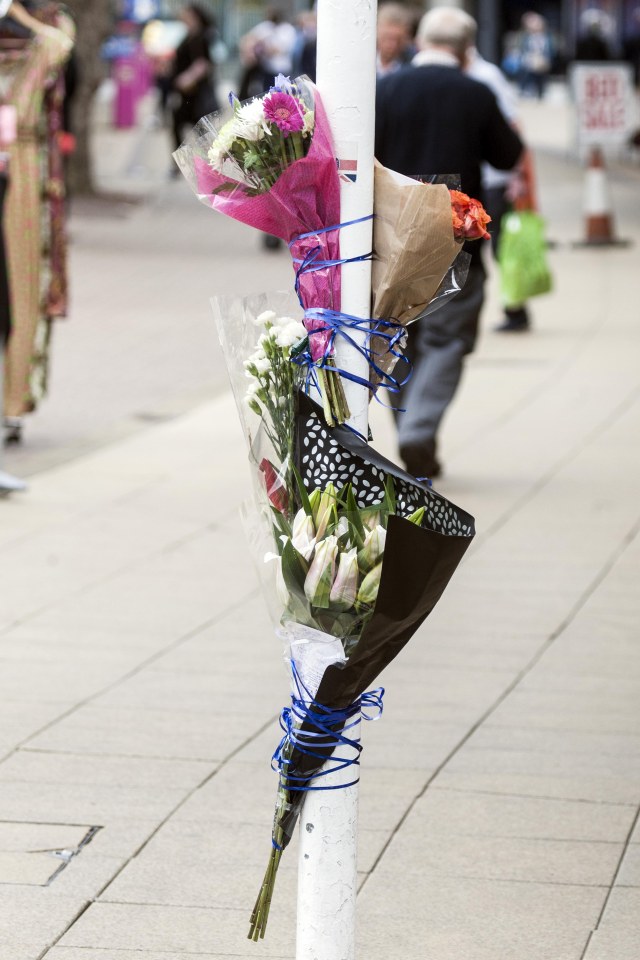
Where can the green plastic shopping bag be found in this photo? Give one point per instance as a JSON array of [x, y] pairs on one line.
[[522, 255]]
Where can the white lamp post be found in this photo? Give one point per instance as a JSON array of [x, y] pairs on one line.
[[346, 73]]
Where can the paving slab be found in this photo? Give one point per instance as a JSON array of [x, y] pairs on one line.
[[33, 766], [179, 930], [33, 917], [559, 710], [154, 733], [79, 803], [477, 920], [586, 788], [31, 853], [629, 875], [475, 814], [81, 953], [476, 857], [583, 767], [618, 933], [620, 746]]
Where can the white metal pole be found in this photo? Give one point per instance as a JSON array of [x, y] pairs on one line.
[[346, 72]]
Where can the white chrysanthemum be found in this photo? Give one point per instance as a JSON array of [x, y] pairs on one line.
[[291, 334], [263, 365], [220, 147], [249, 121], [267, 316]]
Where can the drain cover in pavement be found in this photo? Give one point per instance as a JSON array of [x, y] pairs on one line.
[[33, 854]]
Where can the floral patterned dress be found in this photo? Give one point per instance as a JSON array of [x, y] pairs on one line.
[[48, 50]]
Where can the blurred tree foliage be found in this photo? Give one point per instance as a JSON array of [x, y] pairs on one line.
[[94, 20]]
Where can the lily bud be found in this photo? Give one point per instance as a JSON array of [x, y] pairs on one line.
[[326, 510], [345, 586], [303, 534], [342, 527], [373, 548], [319, 580], [368, 592], [314, 501], [371, 519]]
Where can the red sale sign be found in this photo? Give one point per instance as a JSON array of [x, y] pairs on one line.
[[604, 101]]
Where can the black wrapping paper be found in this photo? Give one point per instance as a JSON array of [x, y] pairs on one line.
[[418, 563]]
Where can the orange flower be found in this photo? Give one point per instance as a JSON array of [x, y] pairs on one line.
[[469, 217]]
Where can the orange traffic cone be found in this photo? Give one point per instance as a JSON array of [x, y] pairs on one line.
[[599, 229]]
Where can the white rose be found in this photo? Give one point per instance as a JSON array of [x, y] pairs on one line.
[[267, 316]]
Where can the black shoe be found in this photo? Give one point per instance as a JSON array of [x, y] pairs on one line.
[[13, 430], [420, 460], [515, 321]]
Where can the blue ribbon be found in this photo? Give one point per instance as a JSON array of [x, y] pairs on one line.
[[331, 728], [313, 260], [340, 324]]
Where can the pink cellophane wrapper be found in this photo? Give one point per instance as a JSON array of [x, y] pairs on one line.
[[305, 198]]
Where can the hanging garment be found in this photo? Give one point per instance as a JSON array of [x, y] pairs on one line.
[[27, 81]]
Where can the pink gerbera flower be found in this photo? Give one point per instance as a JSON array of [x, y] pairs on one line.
[[285, 111]]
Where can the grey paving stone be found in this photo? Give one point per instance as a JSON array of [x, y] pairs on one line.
[[476, 814], [20, 718], [82, 953], [477, 920], [120, 837], [582, 767], [178, 930], [594, 789], [560, 710], [31, 916], [629, 875], [618, 934], [20, 952], [35, 766], [78, 803], [216, 884], [194, 693], [123, 731], [441, 854], [29, 852], [239, 792], [26, 869], [620, 746]]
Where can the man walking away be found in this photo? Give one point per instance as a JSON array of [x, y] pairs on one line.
[[431, 118]]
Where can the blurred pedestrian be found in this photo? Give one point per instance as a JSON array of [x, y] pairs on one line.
[[304, 51], [593, 44], [34, 218], [265, 51], [502, 190], [431, 118], [192, 79], [536, 55], [393, 38]]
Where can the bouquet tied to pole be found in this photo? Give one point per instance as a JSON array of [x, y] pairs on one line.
[[355, 551]]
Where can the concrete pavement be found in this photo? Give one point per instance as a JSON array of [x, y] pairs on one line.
[[141, 681]]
